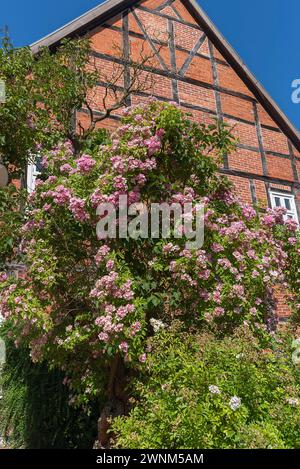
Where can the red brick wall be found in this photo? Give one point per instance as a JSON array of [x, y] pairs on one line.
[[208, 88]]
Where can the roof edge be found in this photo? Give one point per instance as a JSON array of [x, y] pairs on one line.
[[83, 23], [110, 8], [243, 71]]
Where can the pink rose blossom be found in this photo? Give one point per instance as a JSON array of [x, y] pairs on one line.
[[153, 144], [136, 327], [85, 163], [103, 336], [249, 212], [217, 247], [3, 277], [102, 253], [120, 183], [143, 358], [219, 311], [110, 265], [61, 195], [77, 207], [124, 347]]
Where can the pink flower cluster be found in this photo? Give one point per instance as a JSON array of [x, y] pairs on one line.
[[31, 225], [188, 196], [120, 183], [61, 195], [216, 247], [102, 254], [242, 253], [248, 212], [67, 168], [112, 322], [107, 286], [3, 276], [169, 248], [124, 347], [77, 207], [153, 144], [85, 163]]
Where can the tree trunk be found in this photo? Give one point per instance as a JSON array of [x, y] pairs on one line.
[[116, 404], [271, 317]]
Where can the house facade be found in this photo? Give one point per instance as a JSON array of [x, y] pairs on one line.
[[194, 66]]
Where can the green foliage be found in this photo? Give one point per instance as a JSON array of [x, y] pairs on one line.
[[62, 82], [35, 411], [86, 300], [87, 305], [11, 200], [62, 270], [17, 137], [292, 249], [41, 98], [183, 399]]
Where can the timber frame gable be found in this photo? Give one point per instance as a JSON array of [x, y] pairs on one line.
[[197, 68]]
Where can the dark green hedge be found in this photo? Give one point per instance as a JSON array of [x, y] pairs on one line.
[[34, 409]]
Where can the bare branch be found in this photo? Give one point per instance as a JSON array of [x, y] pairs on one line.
[[116, 90]]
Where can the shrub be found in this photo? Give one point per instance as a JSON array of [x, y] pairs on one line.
[[34, 409], [11, 219], [102, 293], [87, 305], [205, 391]]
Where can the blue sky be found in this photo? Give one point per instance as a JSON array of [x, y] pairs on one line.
[[264, 32]]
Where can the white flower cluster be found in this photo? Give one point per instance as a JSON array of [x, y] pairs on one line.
[[293, 402], [235, 402], [214, 390], [157, 324], [239, 356]]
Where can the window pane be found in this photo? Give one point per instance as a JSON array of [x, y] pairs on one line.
[[277, 202], [38, 163], [287, 203]]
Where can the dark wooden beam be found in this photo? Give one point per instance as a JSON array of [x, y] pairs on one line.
[[173, 60], [260, 140], [149, 40], [192, 54], [163, 43], [243, 72], [170, 74], [168, 17], [253, 191], [293, 162], [217, 94], [165, 4], [126, 52], [267, 179], [176, 12]]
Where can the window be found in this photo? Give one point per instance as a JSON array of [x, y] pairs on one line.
[[33, 171], [287, 201]]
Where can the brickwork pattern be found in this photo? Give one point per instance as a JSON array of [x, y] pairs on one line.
[[194, 73]]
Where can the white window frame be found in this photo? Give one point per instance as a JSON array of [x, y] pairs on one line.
[[32, 175], [282, 196]]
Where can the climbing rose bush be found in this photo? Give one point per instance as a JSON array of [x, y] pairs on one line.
[[85, 301], [292, 270]]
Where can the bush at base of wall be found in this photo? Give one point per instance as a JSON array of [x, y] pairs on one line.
[[202, 391]]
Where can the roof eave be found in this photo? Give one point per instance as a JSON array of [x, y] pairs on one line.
[[83, 23], [244, 73], [111, 8]]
